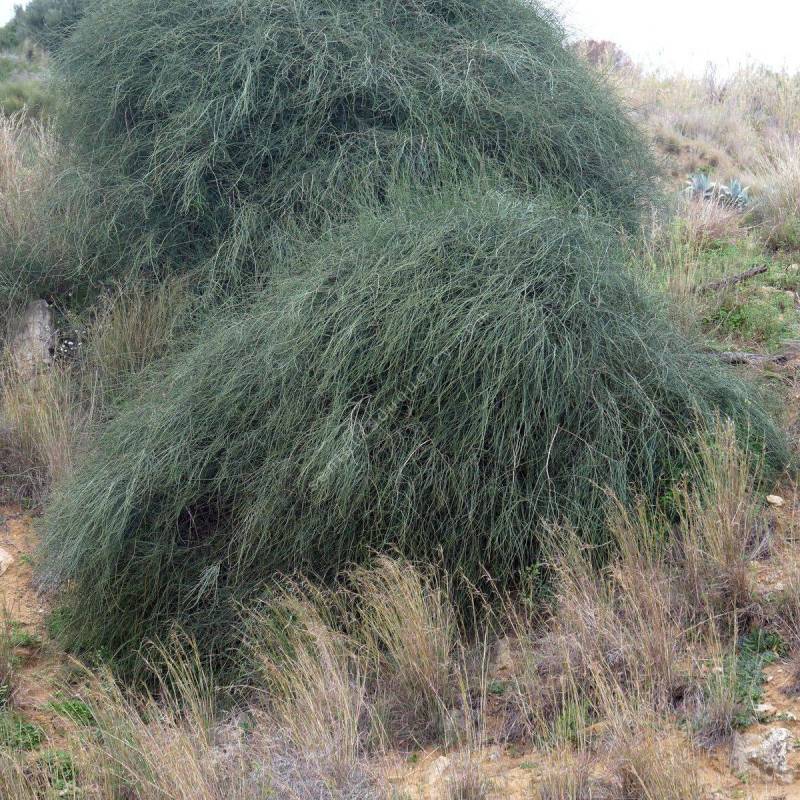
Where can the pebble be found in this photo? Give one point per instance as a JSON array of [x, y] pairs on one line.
[[437, 769], [6, 560], [775, 500]]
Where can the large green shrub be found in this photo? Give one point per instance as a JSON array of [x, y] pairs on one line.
[[209, 132], [47, 22], [446, 377]]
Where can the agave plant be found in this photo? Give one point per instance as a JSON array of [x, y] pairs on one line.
[[700, 185], [736, 194]]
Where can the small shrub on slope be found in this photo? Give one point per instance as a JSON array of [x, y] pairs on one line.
[[208, 132], [443, 379]]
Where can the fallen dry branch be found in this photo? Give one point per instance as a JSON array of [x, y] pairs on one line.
[[732, 280], [757, 359]]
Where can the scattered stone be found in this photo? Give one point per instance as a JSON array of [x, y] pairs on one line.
[[787, 716], [775, 500], [766, 754], [6, 560], [793, 268], [438, 769], [765, 710], [454, 726], [33, 337], [503, 656]]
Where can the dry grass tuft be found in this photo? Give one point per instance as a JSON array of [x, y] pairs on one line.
[[777, 192], [719, 536], [410, 631], [649, 766], [465, 781], [317, 683], [44, 419], [570, 777], [134, 326], [28, 153]]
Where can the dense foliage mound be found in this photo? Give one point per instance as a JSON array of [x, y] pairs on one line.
[[445, 377], [206, 130]]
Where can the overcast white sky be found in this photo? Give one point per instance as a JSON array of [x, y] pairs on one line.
[[685, 35], [679, 34]]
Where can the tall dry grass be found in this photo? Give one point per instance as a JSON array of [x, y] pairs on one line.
[[44, 418], [410, 632], [717, 534], [28, 154], [316, 678], [744, 126], [658, 624], [776, 181], [135, 324]]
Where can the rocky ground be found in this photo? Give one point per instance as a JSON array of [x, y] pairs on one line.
[[761, 762]]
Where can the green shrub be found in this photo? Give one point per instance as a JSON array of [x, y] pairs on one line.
[[442, 380], [32, 94], [209, 132], [47, 22], [9, 36]]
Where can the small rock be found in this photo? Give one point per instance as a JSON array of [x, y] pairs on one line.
[[454, 726], [787, 716], [767, 754], [6, 560], [503, 656], [438, 768], [765, 710], [775, 500], [32, 340], [793, 268]]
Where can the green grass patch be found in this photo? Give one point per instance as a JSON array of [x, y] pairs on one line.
[[761, 317], [756, 650], [16, 733], [19, 637], [32, 94], [74, 710], [56, 773]]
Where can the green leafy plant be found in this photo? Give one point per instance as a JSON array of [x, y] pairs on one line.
[[20, 637], [755, 650], [57, 767], [17, 733], [74, 710]]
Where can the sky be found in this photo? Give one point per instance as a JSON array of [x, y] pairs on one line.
[[685, 35], [678, 35], [7, 10]]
